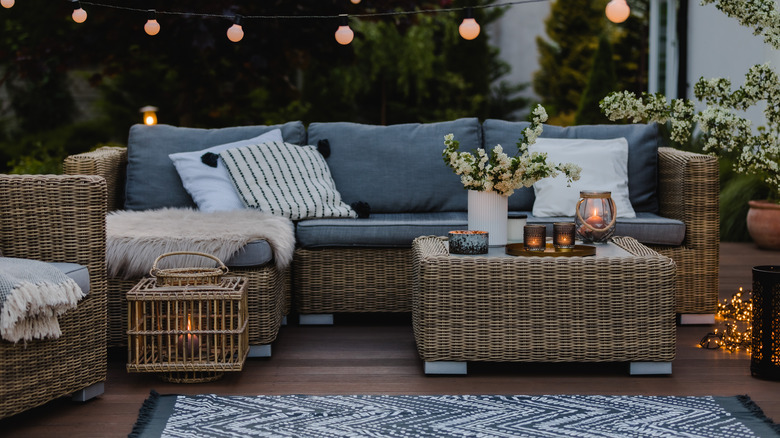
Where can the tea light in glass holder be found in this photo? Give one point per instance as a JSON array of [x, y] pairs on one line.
[[563, 235], [534, 237]]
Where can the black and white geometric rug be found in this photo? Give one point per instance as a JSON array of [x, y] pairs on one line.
[[451, 416]]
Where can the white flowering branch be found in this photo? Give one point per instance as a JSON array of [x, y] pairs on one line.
[[724, 131], [498, 172]]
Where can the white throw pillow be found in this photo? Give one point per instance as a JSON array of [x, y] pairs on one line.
[[285, 180], [604, 167], [211, 187]]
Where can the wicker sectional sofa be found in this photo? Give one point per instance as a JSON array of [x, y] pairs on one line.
[[364, 264]]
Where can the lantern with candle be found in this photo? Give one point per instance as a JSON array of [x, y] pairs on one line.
[[595, 216]]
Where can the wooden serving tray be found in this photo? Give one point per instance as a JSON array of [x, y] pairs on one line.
[[518, 249]]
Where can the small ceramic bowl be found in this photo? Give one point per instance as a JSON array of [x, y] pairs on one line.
[[468, 242]]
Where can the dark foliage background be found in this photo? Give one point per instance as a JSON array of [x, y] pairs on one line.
[[405, 68]]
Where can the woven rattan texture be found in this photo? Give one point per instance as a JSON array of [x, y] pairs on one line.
[[190, 328], [333, 280], [110, 163], [540, 309], [265, 293], [689, 191], [55, 219]]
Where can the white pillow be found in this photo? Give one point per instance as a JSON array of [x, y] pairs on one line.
[[211, 187], [604, 167], [285, 180]]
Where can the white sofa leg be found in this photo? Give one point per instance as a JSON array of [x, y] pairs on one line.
[[316, 319], [260, 350], [645, 368], [697, 319], [446, 367], [89, 392]]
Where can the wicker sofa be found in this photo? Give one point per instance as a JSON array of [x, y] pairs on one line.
[[56, 218], [364, 265]]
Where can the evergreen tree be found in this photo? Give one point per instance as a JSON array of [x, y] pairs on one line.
[[565, 57], [601, 81]]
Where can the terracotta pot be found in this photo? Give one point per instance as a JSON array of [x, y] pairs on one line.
[[763, 222]]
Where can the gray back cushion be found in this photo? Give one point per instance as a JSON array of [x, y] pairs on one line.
[[643, 143], [397, 168], [152, 181]]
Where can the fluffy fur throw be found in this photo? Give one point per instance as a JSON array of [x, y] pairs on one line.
[[136, 238]]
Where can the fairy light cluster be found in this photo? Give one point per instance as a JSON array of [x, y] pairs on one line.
[[736, 314], [616, 11]]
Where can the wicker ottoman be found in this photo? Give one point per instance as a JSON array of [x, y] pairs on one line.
[[616, 306]]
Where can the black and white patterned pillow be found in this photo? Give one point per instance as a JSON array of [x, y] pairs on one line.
[[285, 180]]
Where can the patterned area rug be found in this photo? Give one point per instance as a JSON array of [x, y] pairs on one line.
[[451, 416]]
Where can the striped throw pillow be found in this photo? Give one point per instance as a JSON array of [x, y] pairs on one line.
[[285, 180]]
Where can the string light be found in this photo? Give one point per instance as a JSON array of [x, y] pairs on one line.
[[344, 34], [617, 11], [469, 28], [737, 315], [236, 32], [152, 27], [79, 15]]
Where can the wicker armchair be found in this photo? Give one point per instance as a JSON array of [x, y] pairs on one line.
[[56, 218]]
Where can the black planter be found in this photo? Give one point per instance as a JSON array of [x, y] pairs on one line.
[[765, 348]]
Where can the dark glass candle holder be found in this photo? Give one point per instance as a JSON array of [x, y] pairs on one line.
[[563, 235], [534, 237]]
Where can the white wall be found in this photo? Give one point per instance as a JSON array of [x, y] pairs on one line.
[[719, 47]]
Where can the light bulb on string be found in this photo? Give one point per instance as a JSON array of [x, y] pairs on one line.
[[344, 34], [79, 15], [236, 32], [617, 11], [354, 2], [7, 3], [152, 27], [469, 28]]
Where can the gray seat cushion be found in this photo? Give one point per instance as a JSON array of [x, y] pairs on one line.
[[79, 273], [397, 230], [643, 143], [152, 180], [255, 253], [392, 230], [397, 168], [647, 228]]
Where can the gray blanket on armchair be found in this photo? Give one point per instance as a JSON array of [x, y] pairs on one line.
[[32, 295]]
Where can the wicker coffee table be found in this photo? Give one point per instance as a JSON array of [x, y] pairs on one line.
[[616, 306]]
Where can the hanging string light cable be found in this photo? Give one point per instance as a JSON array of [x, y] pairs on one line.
[[79, 15]]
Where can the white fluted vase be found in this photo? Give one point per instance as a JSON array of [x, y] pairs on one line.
[[488, 212]]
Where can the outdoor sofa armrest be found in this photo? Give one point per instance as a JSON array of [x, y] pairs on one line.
[[689, 190], [56, 218], [110, 162]]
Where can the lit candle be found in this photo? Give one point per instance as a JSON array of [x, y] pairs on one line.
[[595, 220], [534, 237], [188, 344], [563, 235]]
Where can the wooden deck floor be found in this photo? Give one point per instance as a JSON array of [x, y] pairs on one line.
[[379, 357]]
